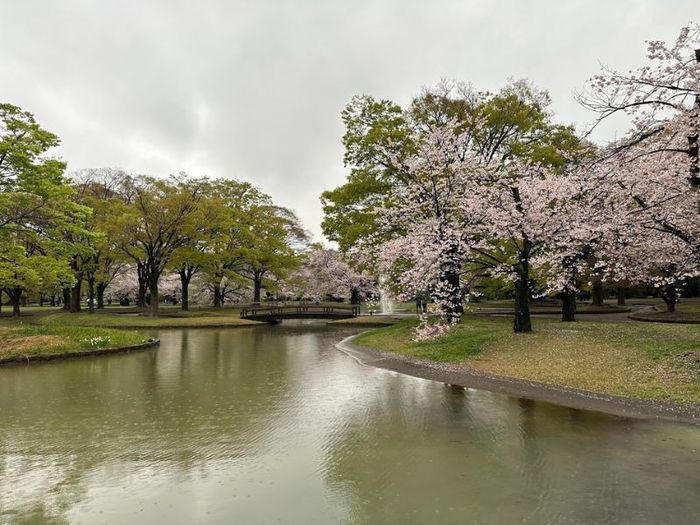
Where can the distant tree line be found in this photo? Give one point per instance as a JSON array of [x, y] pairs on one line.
[[69, 237]]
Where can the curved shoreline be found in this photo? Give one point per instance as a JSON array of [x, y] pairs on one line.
[[662, 320], [26, 359], [558, 395]]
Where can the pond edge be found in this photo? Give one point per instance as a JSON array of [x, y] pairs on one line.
[[26, 359], [555, 394]]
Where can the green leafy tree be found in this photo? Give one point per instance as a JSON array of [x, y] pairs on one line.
[[157, 222], [512, 123], [37, 210], [106, 192], [230, 204], [24, 268], [274, 241]]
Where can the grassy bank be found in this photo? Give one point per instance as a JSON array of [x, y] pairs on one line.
[[687, 311], [366, 320], [690, 305], [22, 339], [507, 306], [172, 319], [649, 361]]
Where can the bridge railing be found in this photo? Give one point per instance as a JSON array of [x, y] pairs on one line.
[[301, 310]]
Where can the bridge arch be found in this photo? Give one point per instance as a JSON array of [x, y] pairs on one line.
[[272, 314]]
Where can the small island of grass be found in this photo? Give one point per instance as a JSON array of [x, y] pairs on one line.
[[22, 341], [641, 360]]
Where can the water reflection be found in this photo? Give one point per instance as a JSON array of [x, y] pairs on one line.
[[274, 425]]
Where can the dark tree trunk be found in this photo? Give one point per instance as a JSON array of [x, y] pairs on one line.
[[670, 297], [66, 299], [257, 287], [53, 299], [91, 294], [101, 287], [354, 296], [621, 296], [421, 304], [141, 274], [41, 299], [522, 323], [453, 296], [449, 293], [597, 294], [15, 295], [217, 297], [153, 289], [568, 306], [185, 278], [75, 297]]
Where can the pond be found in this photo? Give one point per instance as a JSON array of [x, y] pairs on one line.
[[274, 425]]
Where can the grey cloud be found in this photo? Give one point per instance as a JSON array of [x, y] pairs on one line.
[[254, 90]]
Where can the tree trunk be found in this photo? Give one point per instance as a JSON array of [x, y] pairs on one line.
[[453, 307], [449, 293], [91, 294], [670, 297], [521, 321], [153, 289], [568, 306], [621, 296], [41, 299], [75, 297], [257, 287], [53, 299], [66, 299], [217, 296], [185, 284], [354, 296], [15, 298], [101, 287], [597, 293], [141, 274]]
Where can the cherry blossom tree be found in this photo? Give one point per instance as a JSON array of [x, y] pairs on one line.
[[326, 273], [662, 98], [124, 286], [517, 212], [653, 171], [668, 266], [457, 211], [568, 255], [424, 222], [651, 224]]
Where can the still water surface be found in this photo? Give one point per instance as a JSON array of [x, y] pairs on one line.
[[274, 425]]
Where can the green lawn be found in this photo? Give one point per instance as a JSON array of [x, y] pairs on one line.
[[633, 359], [366, 320], [691, 304], [167, 319], [23, 339]]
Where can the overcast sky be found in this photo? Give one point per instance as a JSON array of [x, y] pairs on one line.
[[254, 89]]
